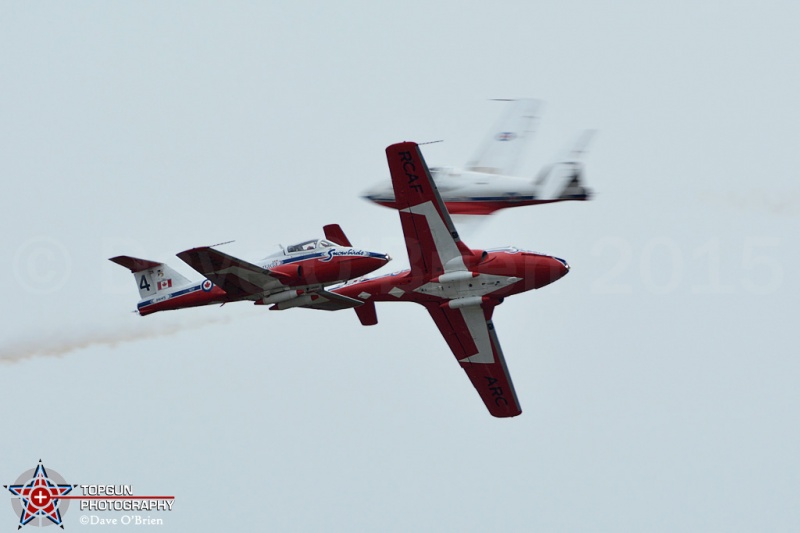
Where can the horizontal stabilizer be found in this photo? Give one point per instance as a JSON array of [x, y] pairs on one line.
[[134, 264]]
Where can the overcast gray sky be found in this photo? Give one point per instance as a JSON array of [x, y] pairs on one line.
[[658, 380]]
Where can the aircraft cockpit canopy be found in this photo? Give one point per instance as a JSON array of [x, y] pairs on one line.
[[309, 245]]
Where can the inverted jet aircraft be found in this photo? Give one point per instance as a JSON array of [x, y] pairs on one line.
[[458, 286], [487, 184], [293, 277]]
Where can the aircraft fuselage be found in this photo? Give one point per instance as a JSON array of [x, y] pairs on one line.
[[300, 271], [493, 275], [478, 193]]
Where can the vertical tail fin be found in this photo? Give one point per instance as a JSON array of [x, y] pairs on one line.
[[152, 277], [499, 153], [334, 233]]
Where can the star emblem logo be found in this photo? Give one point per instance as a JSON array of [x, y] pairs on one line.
[[37, 495]]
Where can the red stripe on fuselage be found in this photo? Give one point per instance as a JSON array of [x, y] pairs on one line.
[[340, 268], [487, 207], [314, 271], [320, 270], [535, 271], [190, 299]]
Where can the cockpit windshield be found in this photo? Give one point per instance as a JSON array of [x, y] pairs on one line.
[[507, 249], [309, 245], [302, 247]]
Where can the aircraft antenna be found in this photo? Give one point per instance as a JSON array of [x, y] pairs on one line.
[[432, 142], [221, 243]]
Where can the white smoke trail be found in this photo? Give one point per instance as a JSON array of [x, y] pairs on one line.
[[59, 344]]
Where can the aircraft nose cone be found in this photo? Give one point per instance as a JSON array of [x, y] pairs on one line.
[[563, 267], [363, 265], [382, 258], [558, 268], [552, 270], [548, 269]]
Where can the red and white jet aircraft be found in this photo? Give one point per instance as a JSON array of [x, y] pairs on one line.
[[293, 277], [486, 184], [458, 286]]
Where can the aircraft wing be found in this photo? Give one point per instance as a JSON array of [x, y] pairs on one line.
[[238, 278], [431, 238], [499, 153], [472, 339]]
